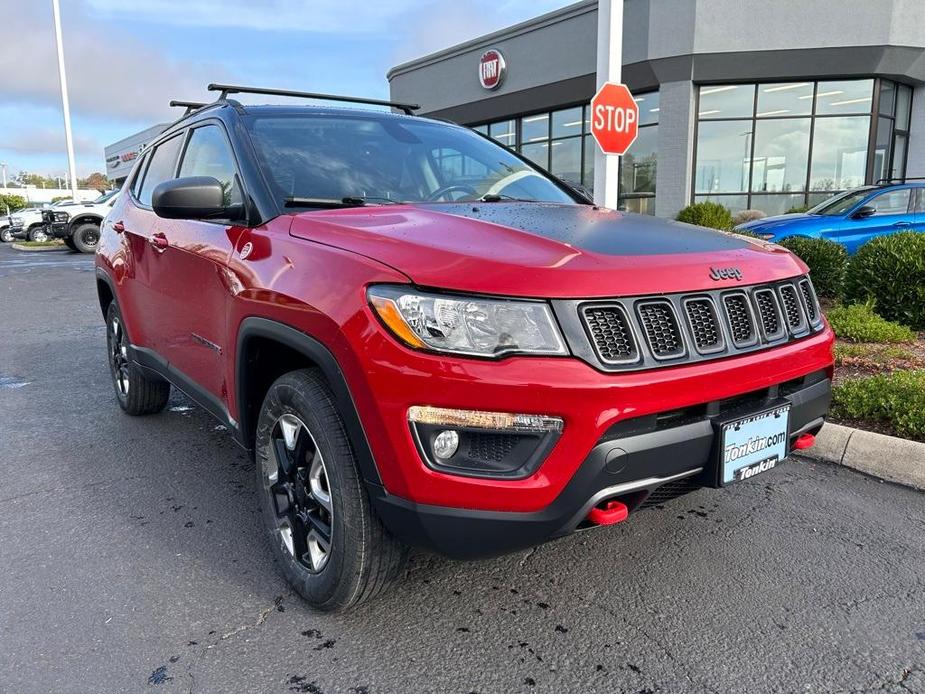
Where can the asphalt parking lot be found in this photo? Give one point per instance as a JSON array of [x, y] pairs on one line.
[[131, 560]]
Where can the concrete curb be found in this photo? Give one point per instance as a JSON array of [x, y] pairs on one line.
[[887, 457], [37, 249]]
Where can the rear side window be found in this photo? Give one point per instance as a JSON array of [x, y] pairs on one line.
[[161, 167], [208, 154], [920, 200]]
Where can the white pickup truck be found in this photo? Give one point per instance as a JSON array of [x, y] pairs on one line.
[[76, 223]]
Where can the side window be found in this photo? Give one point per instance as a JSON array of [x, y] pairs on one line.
[[139, 175], [208, 154], [160, 168], [920, 199], [891, 202]]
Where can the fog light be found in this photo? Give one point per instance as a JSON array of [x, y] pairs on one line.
[[446, 444]]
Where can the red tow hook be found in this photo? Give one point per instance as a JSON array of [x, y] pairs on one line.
[[610, 513], [805, 441]]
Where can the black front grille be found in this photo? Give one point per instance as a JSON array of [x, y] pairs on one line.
[[493, 448], [641, 332], [611, 334], [740, 319], [704, 325], [768, 313], [661, 328], [791, 304], [809, 301]]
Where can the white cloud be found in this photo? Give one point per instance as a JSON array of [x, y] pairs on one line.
[[110, 74], [321, 16]]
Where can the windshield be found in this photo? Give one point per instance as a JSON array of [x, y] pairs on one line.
[[106, 196], [840, 204], [310, 159]]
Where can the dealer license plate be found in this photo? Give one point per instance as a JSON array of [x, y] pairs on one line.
[[754, 444]]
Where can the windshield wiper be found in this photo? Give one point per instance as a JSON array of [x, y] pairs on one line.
[[338, 203], [498, 197]]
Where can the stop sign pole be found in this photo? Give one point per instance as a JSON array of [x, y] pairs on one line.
[[609, 69]]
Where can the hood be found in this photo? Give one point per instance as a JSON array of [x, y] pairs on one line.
[[787, 222], [544, 250]]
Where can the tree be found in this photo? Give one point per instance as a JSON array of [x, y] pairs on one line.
[[95, 181], [11, 203]]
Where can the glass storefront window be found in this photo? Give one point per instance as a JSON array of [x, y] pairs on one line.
[[792, 143], [845, 96], [534, 128], [903, 107], [723, 152], [777, 204], [648, 107], [790, 99], [727, 101], [637, 168], [736, 203], [781, 155], [504, 132], [590, 147], [565, 156], [481, 129], [566, 123], [537, 152], [839, 153]]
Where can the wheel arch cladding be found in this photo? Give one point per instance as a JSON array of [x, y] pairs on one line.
[[84, 219], [265, 351], [104, 292]]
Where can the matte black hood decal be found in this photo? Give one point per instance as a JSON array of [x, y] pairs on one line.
[[597, 230]]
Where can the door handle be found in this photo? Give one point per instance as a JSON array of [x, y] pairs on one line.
[[902, 225], [159, 241], [118, 227]]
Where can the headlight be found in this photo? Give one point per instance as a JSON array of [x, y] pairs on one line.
[[467, 325], [16, 221]]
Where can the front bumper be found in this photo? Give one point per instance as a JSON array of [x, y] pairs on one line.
[[640, 460]]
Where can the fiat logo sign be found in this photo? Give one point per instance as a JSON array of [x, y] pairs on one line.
[[491, 69]]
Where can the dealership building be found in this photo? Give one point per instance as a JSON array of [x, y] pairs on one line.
[[753, 104]]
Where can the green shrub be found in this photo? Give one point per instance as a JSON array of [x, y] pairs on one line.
[[896, 399], [797, 209], [747, 216], [890, 270], [859, 323], [878, 354], [827, 260], [11, 202], [707, 214]]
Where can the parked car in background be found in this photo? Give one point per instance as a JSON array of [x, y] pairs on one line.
[[851, 218], [81, 231], [76, 223]]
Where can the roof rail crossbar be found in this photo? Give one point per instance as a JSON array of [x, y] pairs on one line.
[[226, 89], [900, 179], [190, 106]]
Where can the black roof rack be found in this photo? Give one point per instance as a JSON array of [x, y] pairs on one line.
[[900, 179], [227, 89], [190, 106]]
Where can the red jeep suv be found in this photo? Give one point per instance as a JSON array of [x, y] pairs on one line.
[[426, 340]]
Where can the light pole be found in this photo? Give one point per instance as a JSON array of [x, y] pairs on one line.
[[3, 168], [65, 104], [609, 69]]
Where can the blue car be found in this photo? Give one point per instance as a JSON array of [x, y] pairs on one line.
[[851, 218]]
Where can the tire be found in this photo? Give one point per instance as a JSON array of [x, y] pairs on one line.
[[37, 233], [323, 532], [136, 393], [5, 235], [86, 237], [69, 242]]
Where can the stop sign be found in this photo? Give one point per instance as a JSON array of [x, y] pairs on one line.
[[614, 118]]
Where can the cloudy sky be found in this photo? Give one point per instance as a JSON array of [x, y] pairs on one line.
[[127, 58]]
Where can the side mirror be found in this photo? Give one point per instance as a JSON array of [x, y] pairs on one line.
[[864, 212], [192, 197]]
